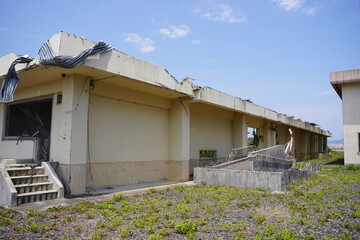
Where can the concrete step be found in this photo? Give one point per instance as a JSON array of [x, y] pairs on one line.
[[23, 171], [34, 187], [29, 179], [14, 165], [29, 197], [36, 193]]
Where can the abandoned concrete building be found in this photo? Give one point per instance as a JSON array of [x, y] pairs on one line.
[[117, 120], [347, 86]]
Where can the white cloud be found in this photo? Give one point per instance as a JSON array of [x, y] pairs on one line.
[[195, 42], [175, 31], [310, 11], [289, 5], [143, 44], [222, 13], [294, 5]]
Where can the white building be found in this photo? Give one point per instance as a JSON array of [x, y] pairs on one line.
[[347, 86], [117, 120]]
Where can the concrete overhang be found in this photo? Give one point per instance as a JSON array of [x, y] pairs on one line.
[[119, 69], [216, 98], [337, 79], [112, 67]]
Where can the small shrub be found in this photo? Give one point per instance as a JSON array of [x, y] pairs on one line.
[[155, 237], [34, 227], [34, 213], [164, 232], [338, 169], [97, 234], [90, 214], [151, 191], [5, 219], [118, 197], [355, 214], [352, 167], [260, 219], [186, 227], [125, 232]]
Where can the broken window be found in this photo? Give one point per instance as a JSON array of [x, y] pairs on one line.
[[28, 119], [207, 154]]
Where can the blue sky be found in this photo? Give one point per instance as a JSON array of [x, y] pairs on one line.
[[278, 53]]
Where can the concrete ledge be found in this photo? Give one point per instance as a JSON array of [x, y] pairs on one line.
[[8, 193], [271, 181], [57, 185]]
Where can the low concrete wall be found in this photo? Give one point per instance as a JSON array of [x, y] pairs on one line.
[[8, 193], [271, 181], [258, 163], [277, 151], [57, 185]]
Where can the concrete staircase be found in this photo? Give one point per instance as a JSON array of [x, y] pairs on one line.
[[28, 183]]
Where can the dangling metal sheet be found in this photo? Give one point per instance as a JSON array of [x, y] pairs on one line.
[[11, 80], [47, 56]]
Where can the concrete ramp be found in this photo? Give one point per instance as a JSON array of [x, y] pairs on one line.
[[267, 168]]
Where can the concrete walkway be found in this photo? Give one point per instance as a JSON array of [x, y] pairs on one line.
[[99, 195]]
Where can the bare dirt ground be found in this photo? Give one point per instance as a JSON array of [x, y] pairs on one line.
[[325, 206]]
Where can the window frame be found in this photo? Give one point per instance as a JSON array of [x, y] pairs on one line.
[[6, 115]]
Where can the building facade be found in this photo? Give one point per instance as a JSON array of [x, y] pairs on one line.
[[347, 86], [117, 120]]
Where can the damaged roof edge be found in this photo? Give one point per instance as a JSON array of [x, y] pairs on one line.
[[121, 64], [218, 98]]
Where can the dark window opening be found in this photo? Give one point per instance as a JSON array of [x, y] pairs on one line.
[[28, 119], [358, 142], [59, 98]]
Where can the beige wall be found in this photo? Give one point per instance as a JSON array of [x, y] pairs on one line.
[[210, 129], [123, 131], [130, 129]]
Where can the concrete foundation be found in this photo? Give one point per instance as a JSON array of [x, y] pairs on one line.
[[271, 181]]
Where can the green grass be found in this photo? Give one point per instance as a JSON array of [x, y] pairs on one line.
[[310, 209]]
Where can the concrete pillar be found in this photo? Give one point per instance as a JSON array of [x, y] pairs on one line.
[[303, 146], [74, 119], [269, 135], [283, 134], [325, 144], [239, 134], [179, 141], [313, 145], [321, 146]]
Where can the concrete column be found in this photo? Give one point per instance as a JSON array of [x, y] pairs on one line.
[[303, 147], [179, 141], [313, 145], [308, 140], [239, 134], [283, 133], [269, 135], [265, 133], [74, 119], [325, 143], [321, 146]]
